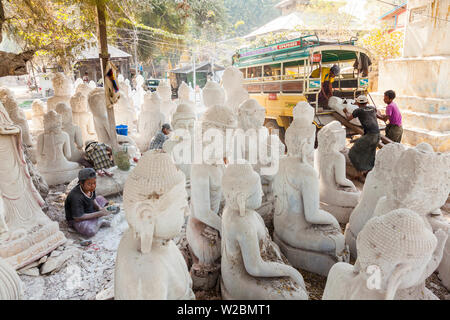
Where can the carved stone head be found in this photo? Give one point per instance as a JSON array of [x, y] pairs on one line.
[[65, 111], [155, 199], [84, 88], [165, 91], [251, 115], [184, 92], [242, 188], [38, 108], [61, 84], [184, 118], [52, 122], [232, 78], [10, 103], [219, 117], [213, 94], [331, 138], [152, 102], [79, 103], [97, 103]]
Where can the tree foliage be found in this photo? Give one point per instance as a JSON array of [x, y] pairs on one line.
[[382, 44]]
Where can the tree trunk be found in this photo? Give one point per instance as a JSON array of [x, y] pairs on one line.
[[12, 64], [2, 20]]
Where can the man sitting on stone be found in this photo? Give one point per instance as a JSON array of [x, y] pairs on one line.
[[158, 140], [83, 208], [100, 156], [362, 154]]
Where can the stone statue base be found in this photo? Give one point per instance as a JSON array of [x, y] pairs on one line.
[[31, 246], [311, 261], [59, 177], [342, 214]]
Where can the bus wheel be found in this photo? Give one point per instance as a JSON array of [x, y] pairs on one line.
[[272, 125]]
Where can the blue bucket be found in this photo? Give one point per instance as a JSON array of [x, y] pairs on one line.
[[122, 130]]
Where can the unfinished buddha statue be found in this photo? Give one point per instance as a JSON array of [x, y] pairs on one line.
[[310, 238], [232, 81], [213, 94], [82, 117], [151, 120], [168, 107], [138, 94], [338, 194], [338, 105], [97, 105], [375, 187], [184, 95], [16, 114], [11, 287], [124, 110], [62, 85], [253, 267], [54, 151], [183, 125], [204, 225], [30, 233], [38, 109], [84, 89], [149, 265], [397, 252], [74, 131]]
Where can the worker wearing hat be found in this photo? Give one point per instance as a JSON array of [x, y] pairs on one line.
[[327, 76], [362, 154], [158, 140]]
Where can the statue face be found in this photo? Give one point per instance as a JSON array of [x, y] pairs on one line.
[[187, 124]]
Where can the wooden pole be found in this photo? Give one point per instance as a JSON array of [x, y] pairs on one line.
[[104, 56]]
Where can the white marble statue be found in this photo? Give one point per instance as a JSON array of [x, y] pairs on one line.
[[338, 105], [397, 252], [11, 287], [38, 109], [213, 94], [137, 95], [16, 114], [204, 225], [97, 105], [183, 125], [84, 88], [82, 117], [375, 187], [338, 194], [168, 107], [74, 132], [54, 151], [124, 110], [149, 265], [29, 233], [310, 238], [232, 81], [253, 267], [92, 84], [150, 120], [62, 85], [77, 82], [184, 95]]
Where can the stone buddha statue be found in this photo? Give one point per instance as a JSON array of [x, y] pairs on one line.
[[124, 109], [38, 109], [11, 287], [74, 131], [81, 116], [16, 114], [182, 140], [168, 107], [54, 151], [62, 85], [29, 234], [184, 95], [310, 238], [97, 105], [232, 81], [213, 94], [375, 187], [397, 252], [253, 267], [149, 265], [205, 224], [84, 89], [303, 115], [338, 195]]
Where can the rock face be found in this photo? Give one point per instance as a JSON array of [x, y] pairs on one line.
[[38, 108], [338, 195], [81, 115], [168, 107], [310, 238], [149, 265], [397, 252], [253, 268], [11, 287], [29, 233], [62, 85], [213, 94], [232, 82], [54, 151], [74, 131]]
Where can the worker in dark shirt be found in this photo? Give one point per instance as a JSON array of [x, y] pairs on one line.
[[83, 208], [362, 154]]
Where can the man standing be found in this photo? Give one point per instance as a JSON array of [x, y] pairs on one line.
[[394, 129], [158, 140], [327, 77], [362, 154]]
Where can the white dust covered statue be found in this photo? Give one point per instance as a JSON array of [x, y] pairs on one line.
[[184, 95], [213, 94], [397, 252], [303, 115], [205, 224], [62, 85], [11, 287], [149, 265], [124, 109], [253, 268], [310, 238], [54, 151], [168, 107], [74, 131], [232, 81], [38, 109], [338, 105], [338, 195], [26, 233], [82, 117], [97, 105]]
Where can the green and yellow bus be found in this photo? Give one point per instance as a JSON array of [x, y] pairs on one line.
[[278, 76]]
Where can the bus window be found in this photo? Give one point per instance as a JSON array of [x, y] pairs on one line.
[[244, 72], [254, 72], [293, 70], [272, 72]]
